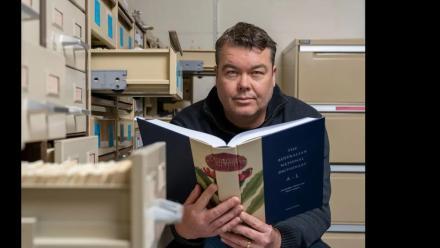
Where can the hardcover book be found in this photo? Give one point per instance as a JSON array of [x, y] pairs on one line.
[[276, 171]]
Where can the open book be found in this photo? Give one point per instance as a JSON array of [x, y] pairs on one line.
[[276, 171]]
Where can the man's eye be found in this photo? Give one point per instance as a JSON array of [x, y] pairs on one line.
[[258, 73], [231, 73]]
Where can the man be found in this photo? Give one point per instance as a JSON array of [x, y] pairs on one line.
[[246, 97]]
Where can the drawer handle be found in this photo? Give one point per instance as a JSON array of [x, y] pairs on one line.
[[39, 107], [67, 40]]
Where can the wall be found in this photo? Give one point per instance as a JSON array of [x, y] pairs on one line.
[[199, 22]]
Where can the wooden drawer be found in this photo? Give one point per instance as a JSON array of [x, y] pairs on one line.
[[347, 201], [346, 133]]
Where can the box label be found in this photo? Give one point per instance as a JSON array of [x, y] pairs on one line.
[[58, 19], [53, 85], [98, 12], [77, 94], [121, 36], [110, 26]]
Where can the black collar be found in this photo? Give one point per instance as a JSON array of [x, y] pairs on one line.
[[213, 108]]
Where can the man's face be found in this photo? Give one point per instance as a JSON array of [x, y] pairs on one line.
[[245, 81]]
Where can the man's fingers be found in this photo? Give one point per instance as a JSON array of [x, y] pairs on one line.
[[254, 222], [237, 240], [195, 193], [226, 217], [229, 226], [247, 232], [229, 242], [224, 207], [204, 198]]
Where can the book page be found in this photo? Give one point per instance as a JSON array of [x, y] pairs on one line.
[[200, 136], [260, 132]]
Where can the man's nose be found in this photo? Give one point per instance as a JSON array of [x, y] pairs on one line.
[[244, 82]]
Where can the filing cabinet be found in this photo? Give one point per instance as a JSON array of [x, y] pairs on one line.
[[344, 240], [347, 202], [65, 32], [103, 19], [325, 71], [150, 72], [82, 150], [346, 133]]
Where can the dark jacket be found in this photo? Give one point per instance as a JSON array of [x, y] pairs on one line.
[[208, 116]]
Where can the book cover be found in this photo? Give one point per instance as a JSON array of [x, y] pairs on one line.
[[276, 171]]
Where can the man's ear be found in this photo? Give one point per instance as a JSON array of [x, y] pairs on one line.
[[274, 73]]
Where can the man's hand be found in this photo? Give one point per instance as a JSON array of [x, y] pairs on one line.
[[200, 222], [255, 234]]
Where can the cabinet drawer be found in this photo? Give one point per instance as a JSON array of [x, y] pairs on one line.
[[331, 77], [75, 91], [30, 29], [66, 23], [344, 240], [56, 125], [346, 133], [82, 150], [347, 201], [42, 82]]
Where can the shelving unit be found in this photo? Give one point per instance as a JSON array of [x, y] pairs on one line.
[[55, 93]]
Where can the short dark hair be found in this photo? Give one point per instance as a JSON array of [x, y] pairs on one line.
[[245, 35]]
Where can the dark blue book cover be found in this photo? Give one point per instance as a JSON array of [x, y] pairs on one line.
[[276, 174], [293, 170]]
